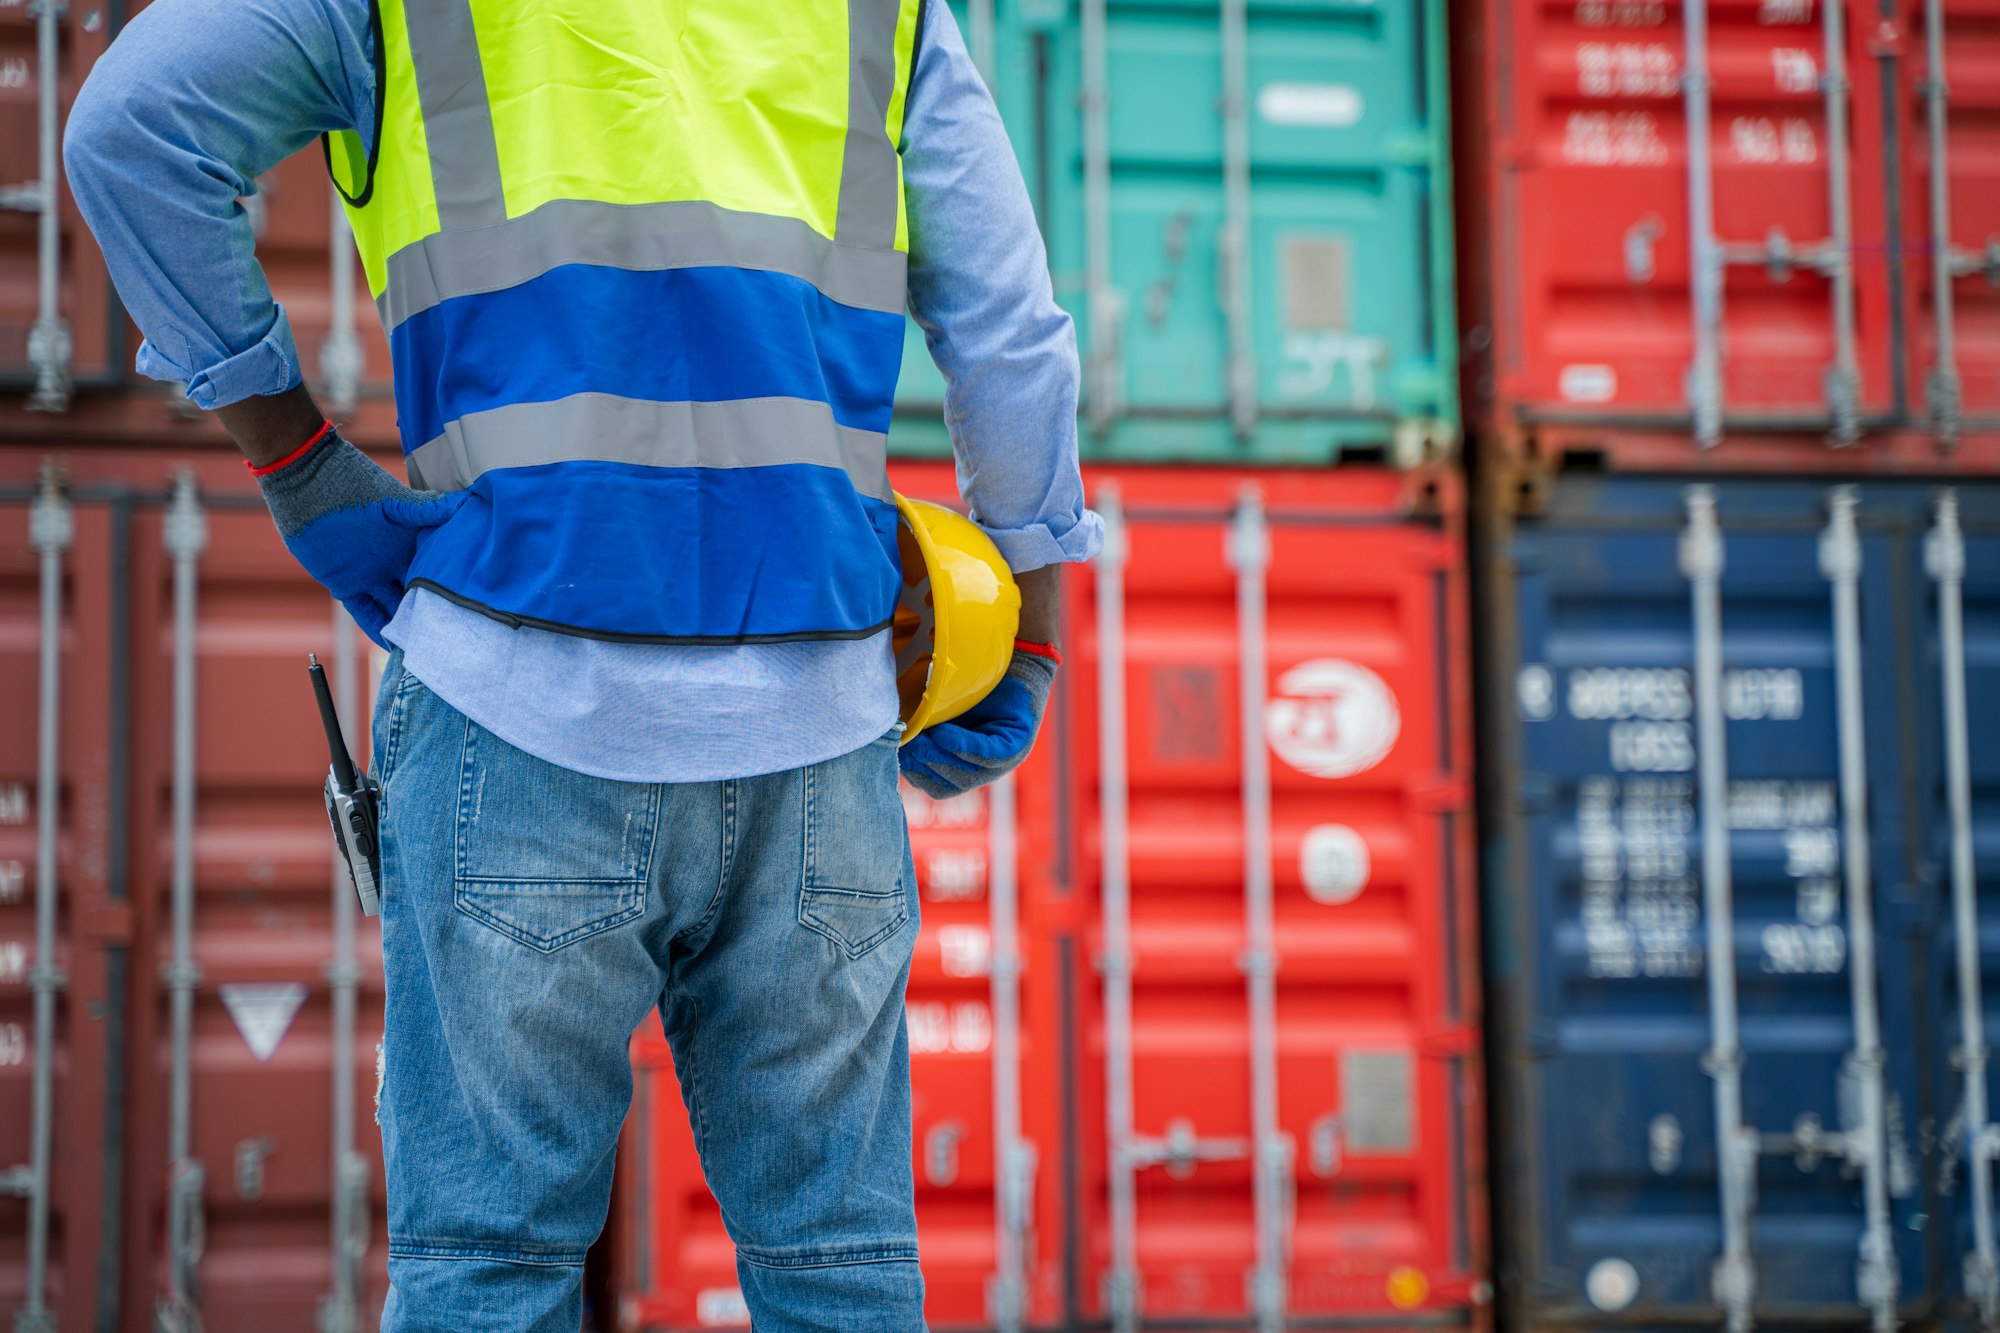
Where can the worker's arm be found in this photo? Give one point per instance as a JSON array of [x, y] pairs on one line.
[[190, 105], [194, 101], [979, 287]]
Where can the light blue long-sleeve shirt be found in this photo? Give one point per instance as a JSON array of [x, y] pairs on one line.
[[197, 98]]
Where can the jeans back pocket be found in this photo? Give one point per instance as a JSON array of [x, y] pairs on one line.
[[853, 891], [548, 856]]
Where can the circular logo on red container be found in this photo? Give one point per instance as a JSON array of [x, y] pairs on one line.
[[1332, 718]]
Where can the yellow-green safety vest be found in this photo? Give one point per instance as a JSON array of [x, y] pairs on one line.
[[642, 268]]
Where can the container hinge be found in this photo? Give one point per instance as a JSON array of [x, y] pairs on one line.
[[1735, 1284], [342, 1313], [1007, 1292], [186, 532], [1982, 1284], [1105, 390], [179, 1311], [51, 524]]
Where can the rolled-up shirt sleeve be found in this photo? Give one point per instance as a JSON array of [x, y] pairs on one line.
[[980, 290], [192, 102]]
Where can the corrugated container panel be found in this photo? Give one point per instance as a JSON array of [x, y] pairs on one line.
[[1374, 1144], [1248, 211], [1613, 1032], [1376, 1027], [259, 1252], [1752, 285], [673, 1263]]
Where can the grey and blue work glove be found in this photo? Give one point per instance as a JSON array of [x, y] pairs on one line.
[[351, 525], [988, 739]]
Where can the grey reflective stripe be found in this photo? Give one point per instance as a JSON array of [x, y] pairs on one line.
[[458, 120], [868, 172], [637, 237], [747, 432]]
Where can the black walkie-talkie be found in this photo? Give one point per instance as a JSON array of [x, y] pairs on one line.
[[351, 803]]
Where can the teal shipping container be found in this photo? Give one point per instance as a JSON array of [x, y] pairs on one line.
[[1248, 211]]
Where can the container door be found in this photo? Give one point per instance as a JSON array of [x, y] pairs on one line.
[[1248, 217], [1618, 1204], [1735, 280], [1371, 1033]]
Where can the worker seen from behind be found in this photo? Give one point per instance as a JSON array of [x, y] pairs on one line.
[[644, 266]]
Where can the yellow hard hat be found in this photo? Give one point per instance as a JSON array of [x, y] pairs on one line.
[[956, 616]]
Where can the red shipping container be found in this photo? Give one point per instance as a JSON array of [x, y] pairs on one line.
[[1757, 287], [1354, 796], [1380, 1210]]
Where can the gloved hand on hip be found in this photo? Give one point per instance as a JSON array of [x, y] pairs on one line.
[[988, 739], [351, 525]]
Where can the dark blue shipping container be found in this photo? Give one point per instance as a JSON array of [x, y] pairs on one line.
[[1661, 781]]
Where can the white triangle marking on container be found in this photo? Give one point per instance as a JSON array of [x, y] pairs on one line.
[[263, 1012]]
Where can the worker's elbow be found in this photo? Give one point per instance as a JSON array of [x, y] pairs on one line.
[[103, 131]]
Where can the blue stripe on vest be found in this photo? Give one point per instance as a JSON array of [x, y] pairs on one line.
[[672, 335], [726, 554]]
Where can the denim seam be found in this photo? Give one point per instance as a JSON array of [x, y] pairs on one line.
[[687, 1061], [656, 800], [727, 859], [627, 911], [854, 948], [809, 884], [587, 881], [828, 1259], [536, 1258]]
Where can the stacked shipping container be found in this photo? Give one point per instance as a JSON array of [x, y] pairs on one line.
[[1725, 257]]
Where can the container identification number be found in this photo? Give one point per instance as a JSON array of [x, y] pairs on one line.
[[1641, 901], [1650, 708], [1760, 141], [1627, 69], [1621, 13]]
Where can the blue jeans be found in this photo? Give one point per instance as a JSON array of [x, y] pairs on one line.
[[532, 916]]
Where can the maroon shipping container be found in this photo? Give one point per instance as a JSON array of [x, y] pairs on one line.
[[232, 1207], [1756, 294], [66, 344]]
